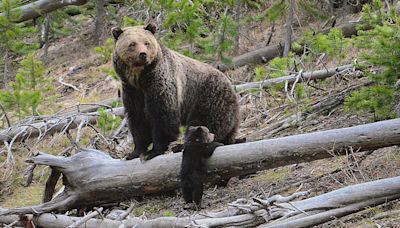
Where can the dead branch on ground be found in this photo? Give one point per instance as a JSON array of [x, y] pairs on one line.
[[265, 54], [41, 126], [304, 77], [318, 108], [274, 211]]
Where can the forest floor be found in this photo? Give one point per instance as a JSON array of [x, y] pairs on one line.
[[75, 61]]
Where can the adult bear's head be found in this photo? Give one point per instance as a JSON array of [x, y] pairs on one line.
[[136, 46]]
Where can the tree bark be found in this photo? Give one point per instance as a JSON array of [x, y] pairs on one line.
[[282, 211], [289, 22], [41, 7], [44, 37], [92, 178], [338, 203], [238, 9], [50, 125], [5, 71], [307, 76], [100, 18], [265, 54]]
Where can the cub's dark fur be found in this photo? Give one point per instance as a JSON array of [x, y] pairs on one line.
[[199, 145], [163, 89]]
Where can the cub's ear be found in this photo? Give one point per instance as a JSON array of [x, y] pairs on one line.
[[151, 27], [116, 32]]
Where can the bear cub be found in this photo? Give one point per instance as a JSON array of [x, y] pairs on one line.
[[199, 145]]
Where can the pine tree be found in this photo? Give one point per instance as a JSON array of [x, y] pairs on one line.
[[381, 48], [27, 92]]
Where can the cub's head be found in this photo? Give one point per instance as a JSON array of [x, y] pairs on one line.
[[198, 134], [136, 46]]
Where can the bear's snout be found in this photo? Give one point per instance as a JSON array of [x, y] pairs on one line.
[[143, 56]]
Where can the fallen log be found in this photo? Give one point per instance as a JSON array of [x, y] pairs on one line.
[[38, 8], [265, 54], [274, 211], [41, 126], [92, 178], [59, 220], [307, 76], [89, 107], [338, 203]]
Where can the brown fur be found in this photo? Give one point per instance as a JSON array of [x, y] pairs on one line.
[[167, 90]]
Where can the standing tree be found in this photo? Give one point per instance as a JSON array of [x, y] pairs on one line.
[[28, 89], [289, 22], [381, 48], [99, 21], [8, 31]]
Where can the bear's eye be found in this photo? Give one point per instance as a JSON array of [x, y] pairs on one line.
[[132, 44], [147, 44]]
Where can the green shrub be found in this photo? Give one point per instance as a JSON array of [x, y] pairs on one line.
[[106, 50], [107, 122], [381, 48], [334, 44], [28, 89]]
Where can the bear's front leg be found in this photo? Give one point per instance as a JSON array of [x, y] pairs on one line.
[[164, 116], [141, 137], [164, 132], [138, 125]]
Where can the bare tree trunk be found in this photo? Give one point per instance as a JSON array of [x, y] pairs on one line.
[[289, 22], [237, 20], [5, 73], [45, 37], [221, 38], [93, 178], [100, 19]]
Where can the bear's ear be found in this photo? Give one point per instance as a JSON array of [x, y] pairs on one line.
[[151, 27], [116, 32]]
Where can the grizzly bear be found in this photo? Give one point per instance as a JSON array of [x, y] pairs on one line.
[[162, 89], [199, 145]]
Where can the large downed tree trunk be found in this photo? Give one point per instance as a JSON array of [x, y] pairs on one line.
[[50, 125], [41, 7], [265, 54], [274, 211], [94, 178], [338, 203]]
